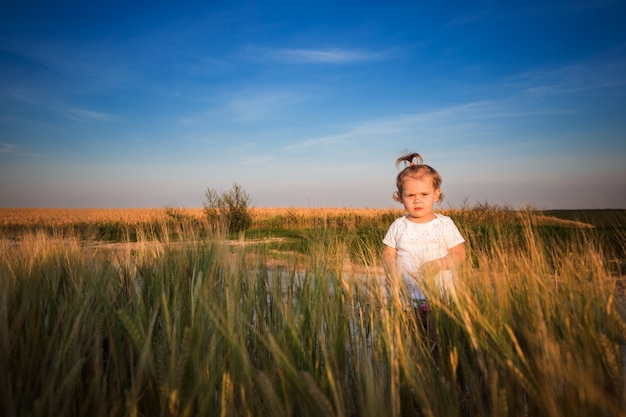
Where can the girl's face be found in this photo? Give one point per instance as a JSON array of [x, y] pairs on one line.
[[418, 197]]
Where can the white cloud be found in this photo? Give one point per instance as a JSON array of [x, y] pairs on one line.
[[246, 105], [259, 106], [326, 56], [6, 148], [84, 114], [407, 124], [9, 149], [585, 75]]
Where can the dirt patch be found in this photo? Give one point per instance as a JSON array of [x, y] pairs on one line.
[[129, 246]]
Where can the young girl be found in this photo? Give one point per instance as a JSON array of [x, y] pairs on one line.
[[422, 241]]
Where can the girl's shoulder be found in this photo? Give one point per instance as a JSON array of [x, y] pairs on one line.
[[402, 220], [444, 219], [446, 223], [399, 223]]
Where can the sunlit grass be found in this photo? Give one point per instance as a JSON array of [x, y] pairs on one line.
[[179, 323]]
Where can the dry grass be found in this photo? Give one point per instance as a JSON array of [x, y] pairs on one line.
[[61, 217], [165, 328]]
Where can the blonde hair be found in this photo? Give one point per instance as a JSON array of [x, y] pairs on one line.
[[415, 170]]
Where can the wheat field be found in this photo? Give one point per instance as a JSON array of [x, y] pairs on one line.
[[179, 323]]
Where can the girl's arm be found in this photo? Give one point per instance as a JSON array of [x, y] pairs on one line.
[[455, 256], [390, 256]]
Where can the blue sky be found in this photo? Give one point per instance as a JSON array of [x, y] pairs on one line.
[[147, 104]]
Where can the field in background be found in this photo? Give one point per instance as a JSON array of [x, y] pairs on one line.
[[27, 217], [150, 312], [293, 228]]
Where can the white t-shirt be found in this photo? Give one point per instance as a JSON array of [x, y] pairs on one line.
[[418, 243]]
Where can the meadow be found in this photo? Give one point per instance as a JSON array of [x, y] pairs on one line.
[[154, 313]]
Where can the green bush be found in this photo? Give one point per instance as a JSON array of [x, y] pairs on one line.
[[228, 210]]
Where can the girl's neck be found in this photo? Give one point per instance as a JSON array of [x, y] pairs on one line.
[[421, 220]]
